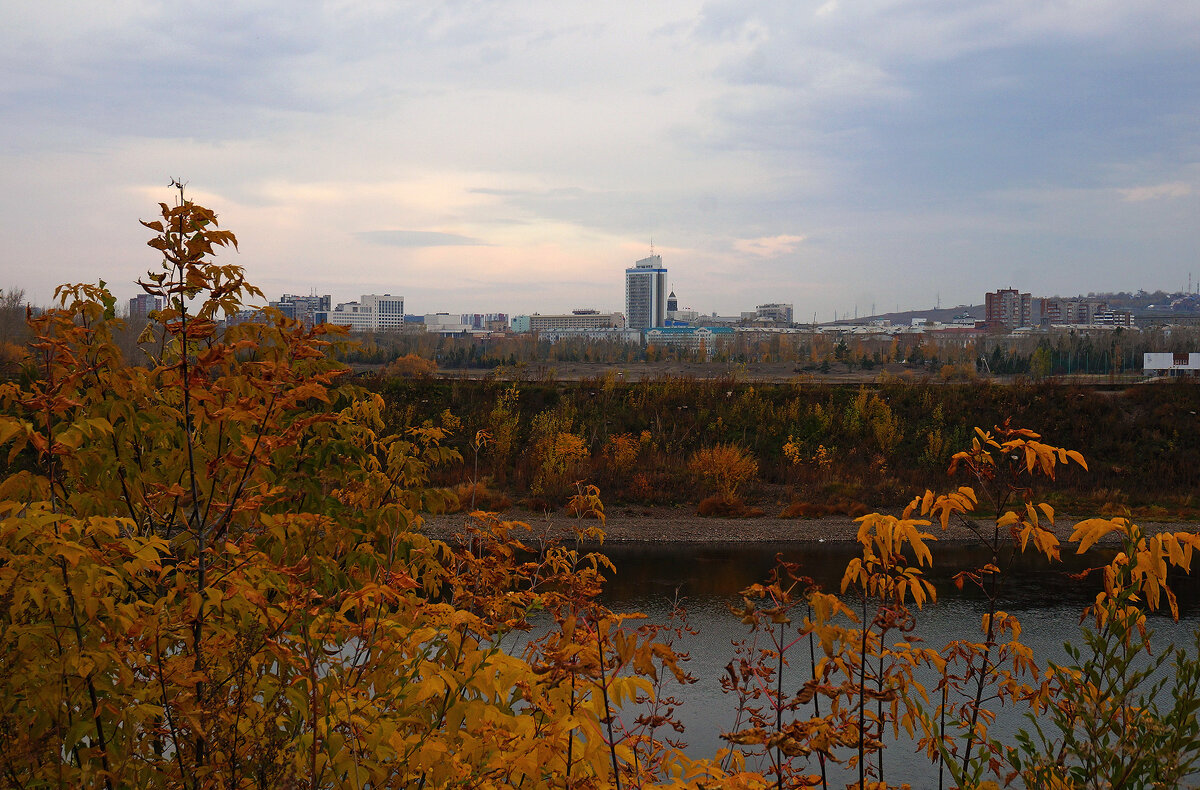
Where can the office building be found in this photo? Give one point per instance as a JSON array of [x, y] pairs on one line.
[[646, 294], [777, 312], [577, 319], [372, 313], [303, 308]]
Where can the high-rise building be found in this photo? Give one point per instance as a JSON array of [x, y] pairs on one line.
[[646, 294], [142, 305], [1008, 309]]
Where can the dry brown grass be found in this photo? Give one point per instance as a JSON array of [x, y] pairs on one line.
[[719, 507], [801, 509], [482, 495]]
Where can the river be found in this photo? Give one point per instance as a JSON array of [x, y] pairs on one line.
[[707, 578]]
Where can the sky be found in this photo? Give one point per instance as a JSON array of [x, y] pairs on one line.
[[841, 155]]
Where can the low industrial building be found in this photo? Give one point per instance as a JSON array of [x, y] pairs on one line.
[[1166, 363]]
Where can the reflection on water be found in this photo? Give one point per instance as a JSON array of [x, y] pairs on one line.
[[708, 577]]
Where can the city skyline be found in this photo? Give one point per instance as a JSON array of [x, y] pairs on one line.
[[828, 154]]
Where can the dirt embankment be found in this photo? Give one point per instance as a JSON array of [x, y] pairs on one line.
[[682, 525]]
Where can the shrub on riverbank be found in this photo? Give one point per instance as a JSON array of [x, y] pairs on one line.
[[882, 440]]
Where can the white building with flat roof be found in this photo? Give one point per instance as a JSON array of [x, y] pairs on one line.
[[372, 313], [446, 324], [1166, 363], [580, 319], [778, 312]]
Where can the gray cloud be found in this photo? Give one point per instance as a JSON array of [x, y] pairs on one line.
[[416, 238], [906, 141]]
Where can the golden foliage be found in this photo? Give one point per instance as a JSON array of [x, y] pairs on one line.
[[411, 366], [211, 575], [620, 454], [725, 468]]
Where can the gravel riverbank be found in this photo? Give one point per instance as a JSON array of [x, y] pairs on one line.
[[682, 525]]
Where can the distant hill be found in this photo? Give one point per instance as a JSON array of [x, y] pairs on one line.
[[1123, 300], [1150, 305], [944, 315], [1143, 304]]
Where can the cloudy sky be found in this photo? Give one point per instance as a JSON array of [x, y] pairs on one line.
[[518, 156]]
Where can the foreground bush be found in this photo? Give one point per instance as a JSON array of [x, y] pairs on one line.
[[210, 576], [1100, 721]]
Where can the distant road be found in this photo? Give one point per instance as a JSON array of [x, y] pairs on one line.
[[774, 372]]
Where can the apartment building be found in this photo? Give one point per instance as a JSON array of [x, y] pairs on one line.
[[1008, 309]]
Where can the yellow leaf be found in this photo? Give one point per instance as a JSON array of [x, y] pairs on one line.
[[1089, 531], [71, 552], [9, 428]]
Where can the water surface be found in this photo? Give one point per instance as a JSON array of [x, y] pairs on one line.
[[706, 578]]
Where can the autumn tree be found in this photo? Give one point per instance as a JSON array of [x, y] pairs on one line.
[[410, 366], [211, 574]]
